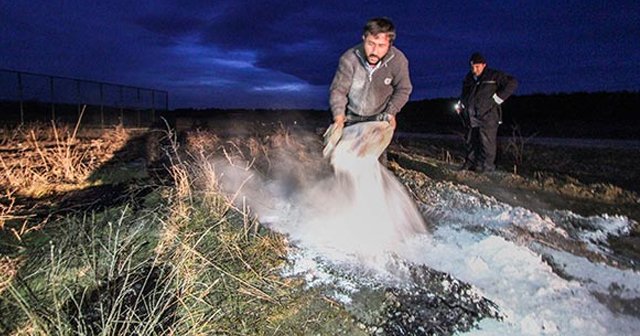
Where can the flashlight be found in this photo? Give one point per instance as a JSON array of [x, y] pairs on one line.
[[458, 107]]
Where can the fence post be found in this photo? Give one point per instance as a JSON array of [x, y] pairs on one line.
[[101, 106], [79, 99], [138, 107], [121, 106], [21, 97], [153, 106], [53, 99]]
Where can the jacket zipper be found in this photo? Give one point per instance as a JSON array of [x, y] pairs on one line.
[[370, 72]]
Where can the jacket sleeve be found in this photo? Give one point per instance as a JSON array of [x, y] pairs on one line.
[[507, 85], [401, 88], [340, 86]]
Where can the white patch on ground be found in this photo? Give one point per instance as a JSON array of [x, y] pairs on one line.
[[352, 226], [531, 297], [463, 206], [596, 277], [592, 230]]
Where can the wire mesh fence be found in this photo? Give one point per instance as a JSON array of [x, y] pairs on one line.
[[29, 97]]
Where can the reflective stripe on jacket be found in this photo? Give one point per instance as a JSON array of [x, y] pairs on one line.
[[477, 96]]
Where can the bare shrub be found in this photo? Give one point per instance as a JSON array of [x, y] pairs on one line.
[[515, 147]]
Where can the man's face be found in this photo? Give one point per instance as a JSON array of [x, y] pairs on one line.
[[376, 47], [478, 68]]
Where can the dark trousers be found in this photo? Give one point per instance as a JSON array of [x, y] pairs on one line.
[[480, 145]]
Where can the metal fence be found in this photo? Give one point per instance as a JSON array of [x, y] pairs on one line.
[[28, 97]]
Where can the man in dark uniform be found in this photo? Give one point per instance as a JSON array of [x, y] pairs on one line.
[[483, 91]]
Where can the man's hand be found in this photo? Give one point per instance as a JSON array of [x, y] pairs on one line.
[[392, 120], [332, 135], [339, 119]]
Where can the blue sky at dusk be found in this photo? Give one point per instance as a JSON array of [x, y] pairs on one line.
[[283, 54]]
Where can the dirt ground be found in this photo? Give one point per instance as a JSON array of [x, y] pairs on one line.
[[586, 181]]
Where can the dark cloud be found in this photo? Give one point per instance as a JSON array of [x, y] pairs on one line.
[[172, 26], [283, 54]]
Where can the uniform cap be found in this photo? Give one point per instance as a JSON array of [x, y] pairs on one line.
[[477, 58]]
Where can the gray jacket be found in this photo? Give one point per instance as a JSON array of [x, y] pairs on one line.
[[359, 90]]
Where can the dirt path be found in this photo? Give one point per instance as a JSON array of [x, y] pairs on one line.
[[544, 199], [546, 141]]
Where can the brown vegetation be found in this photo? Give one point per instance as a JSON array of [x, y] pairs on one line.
[[37, 159], [184, 259], [198, 255]]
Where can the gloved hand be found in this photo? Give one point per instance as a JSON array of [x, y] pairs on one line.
[[391, 119], [331, 137]]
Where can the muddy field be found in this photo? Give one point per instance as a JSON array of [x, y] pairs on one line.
[[587, 181], [547, 200]]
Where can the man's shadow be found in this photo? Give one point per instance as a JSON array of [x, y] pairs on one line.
[[134, 171]]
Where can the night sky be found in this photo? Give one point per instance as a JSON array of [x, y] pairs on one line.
[[283, 54]]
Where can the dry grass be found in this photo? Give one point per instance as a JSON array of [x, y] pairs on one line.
[[8, 207], [212, 268], [8, 270], [227, 265], [37, 161]]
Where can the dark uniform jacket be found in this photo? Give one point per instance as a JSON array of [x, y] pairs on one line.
[[480, 107]]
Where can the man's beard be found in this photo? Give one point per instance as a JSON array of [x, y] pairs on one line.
[[373, 57]]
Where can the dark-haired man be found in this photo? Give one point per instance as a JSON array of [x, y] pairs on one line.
[[372, 81], [483, 91]]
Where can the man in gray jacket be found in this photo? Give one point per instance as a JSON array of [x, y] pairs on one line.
[[372, 81]]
